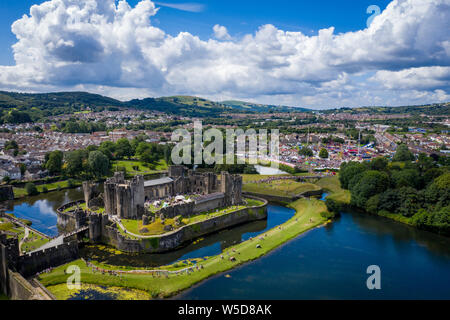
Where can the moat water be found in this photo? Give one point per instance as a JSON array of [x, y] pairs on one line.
[[325, 263]]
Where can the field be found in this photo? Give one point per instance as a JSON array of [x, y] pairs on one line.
[[285, 188], [307, 217], [248, 178], [33, 242], [83, 206], [157, 228], [21, 192], [332, 185], [130, 167]]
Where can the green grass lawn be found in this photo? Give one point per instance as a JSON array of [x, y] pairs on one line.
[[396, 217], [33, 242], [21, 192], [248, 178], [83, 207], [142, 168], [3, 297], [284, 188], [332, 185], [157, 228], [307, 217]]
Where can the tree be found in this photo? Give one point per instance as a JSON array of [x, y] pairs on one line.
[[333, 206], [406, 178], [403, 154], [370, 184], [324, 153], [23, 168], [31, 189], [98, 163], [306, 152], [410, 202], [107, 148], [123, 148], [389, 201], [372, 204], [55, 162], [16, 116], [379, 164], [349, 171], [74, 163]]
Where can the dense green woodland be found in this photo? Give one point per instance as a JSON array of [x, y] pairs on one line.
[[409, 190]]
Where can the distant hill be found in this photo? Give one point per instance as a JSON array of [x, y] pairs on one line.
[[430, 109], [254, 107], [26, 107], [49, 104], [182, 105]]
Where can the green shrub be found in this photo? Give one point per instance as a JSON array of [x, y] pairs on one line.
[[31, 189], [71, 183], [327, 215]]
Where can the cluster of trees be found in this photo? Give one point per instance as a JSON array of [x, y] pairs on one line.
[[15, 117], [418, 190], [332, 139], [96, 161], [12, 145], [73, 126]]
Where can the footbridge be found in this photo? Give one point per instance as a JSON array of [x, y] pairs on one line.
[[59, 240]]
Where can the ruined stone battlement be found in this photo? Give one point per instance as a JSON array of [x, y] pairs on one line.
[[124, 198]]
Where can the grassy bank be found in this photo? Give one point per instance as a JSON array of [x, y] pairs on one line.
[[333, 186], [134, 168], [307, 217], [283, 188], [55, 186]]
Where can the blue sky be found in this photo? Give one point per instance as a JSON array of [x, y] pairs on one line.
[[317, 54], [240, 17]]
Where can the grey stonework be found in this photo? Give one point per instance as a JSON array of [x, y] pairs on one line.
[[124, 198]]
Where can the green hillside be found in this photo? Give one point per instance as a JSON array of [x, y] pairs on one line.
[[254, 107], [14, 107]]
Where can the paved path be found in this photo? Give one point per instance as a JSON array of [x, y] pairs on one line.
[[25, 236], [60, 240]]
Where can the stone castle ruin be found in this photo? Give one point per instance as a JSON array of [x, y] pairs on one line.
[[123, 198], [183, 193], [126, 199]]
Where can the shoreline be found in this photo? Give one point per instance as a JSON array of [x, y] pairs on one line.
[[213, 266], [244, 264]]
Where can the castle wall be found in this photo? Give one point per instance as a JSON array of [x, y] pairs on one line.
[[20, 288], [6, 193], [186, 234], [4, 275], [35, 262], [70, 221], [209, 205]]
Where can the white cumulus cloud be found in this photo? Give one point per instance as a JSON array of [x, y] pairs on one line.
[[221, 32], [111, 47]]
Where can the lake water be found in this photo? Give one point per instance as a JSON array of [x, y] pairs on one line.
[[41, 209], [269, 171], [325, 263], [331, 263]]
